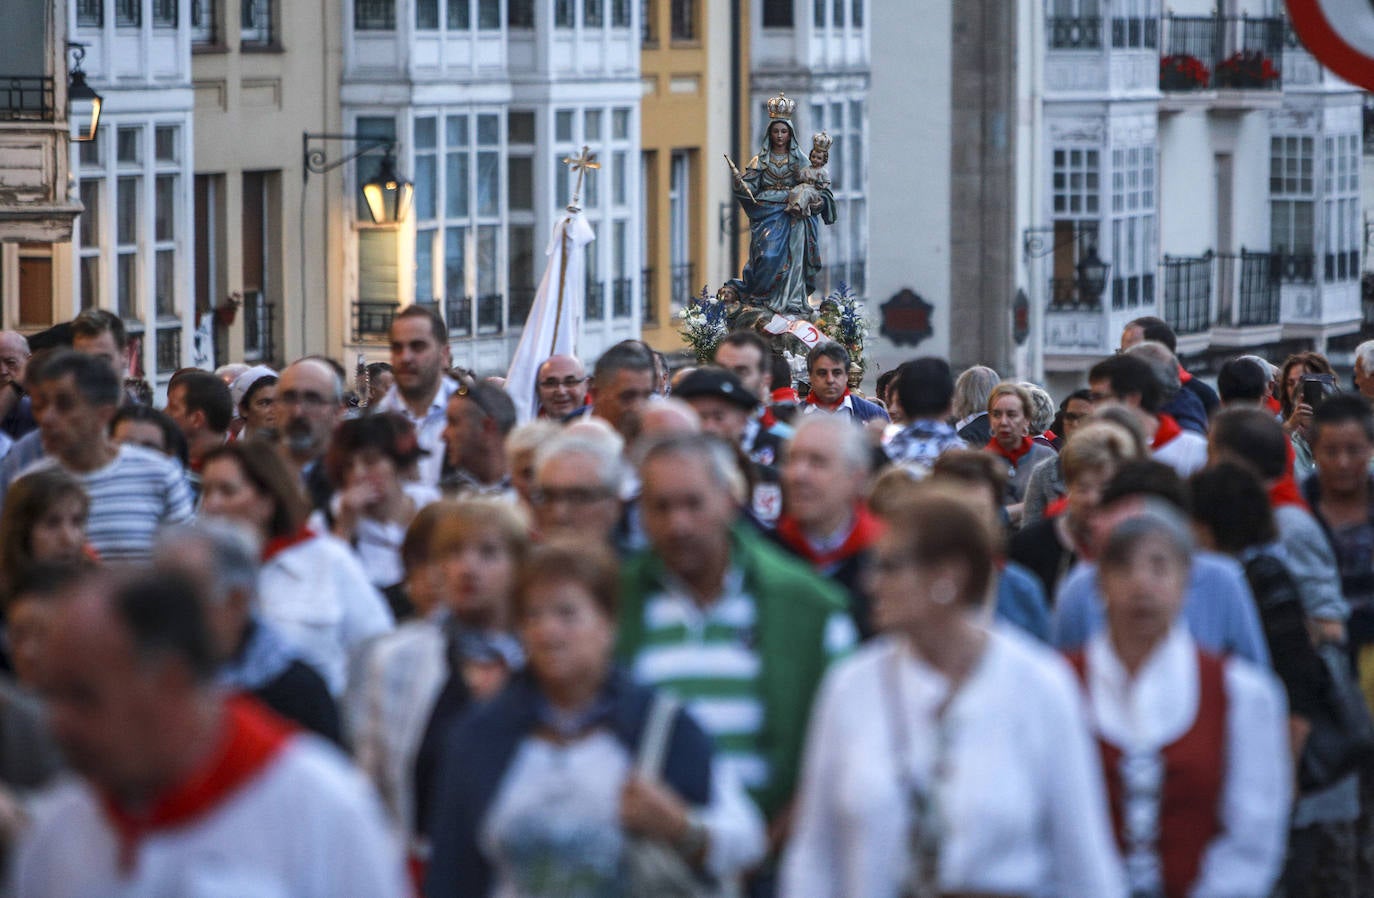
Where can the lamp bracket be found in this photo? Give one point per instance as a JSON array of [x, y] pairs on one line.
[[316, 159]]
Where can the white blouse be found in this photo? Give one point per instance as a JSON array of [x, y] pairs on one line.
[[1159, 705], [1021, 801]]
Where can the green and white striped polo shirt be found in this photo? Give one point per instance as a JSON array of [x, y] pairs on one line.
[[709, 658]]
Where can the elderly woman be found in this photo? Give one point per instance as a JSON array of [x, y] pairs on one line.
[[1194, 747], [461, 561], [539, 794], [947, 757], [311, 587], [1010, 412]]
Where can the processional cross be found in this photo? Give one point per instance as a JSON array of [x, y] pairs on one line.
[[581, 163]]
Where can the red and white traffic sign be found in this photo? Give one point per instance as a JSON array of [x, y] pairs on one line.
[[1340, 34]]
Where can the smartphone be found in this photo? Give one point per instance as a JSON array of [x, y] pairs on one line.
[[1316, 387]]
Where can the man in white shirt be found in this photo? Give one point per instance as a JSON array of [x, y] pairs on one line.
[[419, 362], [182, 791]]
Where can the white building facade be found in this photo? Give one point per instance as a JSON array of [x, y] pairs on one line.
[[485, 99], [131, 250], [1206, 159]]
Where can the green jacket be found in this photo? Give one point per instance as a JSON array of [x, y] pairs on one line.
[[793, 608]]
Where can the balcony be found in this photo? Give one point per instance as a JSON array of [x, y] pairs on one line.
[[372, 321], [458, 315], [1079, 33], [26, 98], [648, 308], [1188, 293], [1221, 53], [1248, 299]]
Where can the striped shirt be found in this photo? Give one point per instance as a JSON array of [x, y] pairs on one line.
[[131, 497], [709, 658]]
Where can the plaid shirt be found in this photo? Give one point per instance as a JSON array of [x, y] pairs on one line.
[[920, 443]]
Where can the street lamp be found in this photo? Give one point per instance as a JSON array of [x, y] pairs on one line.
[[84, 103], [1092, 275], [387, 193]]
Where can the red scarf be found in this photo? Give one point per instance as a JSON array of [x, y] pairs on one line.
[[1183, 376], [785, 395], [1056, 508], [1273, 405], [1285, 490], [1014, 456], [862, 533], [251, 738], [812, 400], [1168, 429], [280, 544]]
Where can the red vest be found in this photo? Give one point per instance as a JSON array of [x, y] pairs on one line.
[[1194, 773]]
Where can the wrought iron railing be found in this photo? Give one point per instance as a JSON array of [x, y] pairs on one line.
[[374, 15], [490, 309], [683, 284], [26, 98], [258, 341], [168, 349], [521, 301], [1188, 293], [1074, 33], [1259, 290], [1295, 268], [622, 290], [1135, 31], [458, 315], [372, 321], [648, 309], [1238, 52], [595, 301]]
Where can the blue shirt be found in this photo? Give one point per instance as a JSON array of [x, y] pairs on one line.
[[1021, 601], [1218, 608]]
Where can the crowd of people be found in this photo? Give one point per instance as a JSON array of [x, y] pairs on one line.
[[703, 631]]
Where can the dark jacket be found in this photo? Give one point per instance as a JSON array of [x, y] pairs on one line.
[[1187, 410], [978, 431], [480, 746]]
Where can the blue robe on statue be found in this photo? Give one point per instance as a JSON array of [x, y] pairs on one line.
[[784, 249]]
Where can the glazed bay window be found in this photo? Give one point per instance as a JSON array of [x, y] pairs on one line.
[[1135, 24], [1133, 227], [1292, 204], [165, 13], [1341, 207], [1074, 24], [90, 13], [1076, 208], [203, 13], [843, 245], [128, 13], [521, 274]]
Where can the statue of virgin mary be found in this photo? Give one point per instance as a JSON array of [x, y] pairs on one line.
[[784, 247]]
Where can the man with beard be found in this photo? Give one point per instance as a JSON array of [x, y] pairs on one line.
[[729, 623], [310, 403], [419, 360], [16, 417]]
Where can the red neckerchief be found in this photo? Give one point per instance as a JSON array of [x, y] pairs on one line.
[[811, 400], [280, 544], [862, 533], [1049, 435], [1167, 430], [1014, 455], [768, 420], [251, 738], [1056, 508], [1183, 376], [785, 394], [1273, 405], [1285, 491]]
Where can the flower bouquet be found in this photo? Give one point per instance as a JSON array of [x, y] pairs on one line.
[[705, 322]]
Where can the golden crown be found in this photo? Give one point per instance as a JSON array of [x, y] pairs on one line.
[[821, 141], [781, 107]]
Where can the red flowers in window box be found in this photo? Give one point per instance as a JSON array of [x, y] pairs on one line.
[[1182, 71], [1247, 69]]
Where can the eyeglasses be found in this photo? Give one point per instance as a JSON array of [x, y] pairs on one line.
[[576, 495], [567, 383]]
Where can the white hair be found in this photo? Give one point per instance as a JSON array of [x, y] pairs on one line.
[[842, 431], [1364, 356], [610, 467]]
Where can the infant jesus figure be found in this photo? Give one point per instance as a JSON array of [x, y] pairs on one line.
[[805, 198]]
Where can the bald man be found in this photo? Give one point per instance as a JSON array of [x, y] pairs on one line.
[[310, 403], [562, 386]]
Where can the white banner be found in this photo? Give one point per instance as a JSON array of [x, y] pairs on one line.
[[554, 327]]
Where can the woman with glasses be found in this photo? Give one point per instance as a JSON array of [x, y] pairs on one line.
[[949, 756], [1194, 747]]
